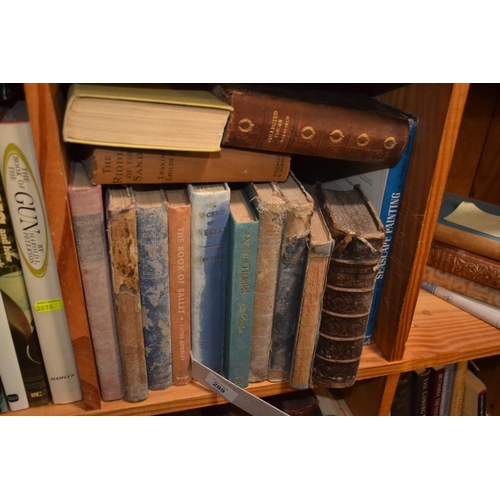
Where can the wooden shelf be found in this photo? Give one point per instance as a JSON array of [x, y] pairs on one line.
[[440, 333]]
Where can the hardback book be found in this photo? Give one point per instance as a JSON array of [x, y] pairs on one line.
[[142, 166], [465, 264], [243, 232], [384, 188], [479, 238], [25, 199], [269, 204], [328, 124], [87, 214], [144, 117], [19, 315], [296, 404], [420, 390], [403, 397], [475, 393], [435, 390], [10, 372], [444, 408], [291, 270], [464, 286], [209, 256], [152, 246], [318, 258], [359, 237], [457, 393], [179, 249], [121, 220], [4, 406]]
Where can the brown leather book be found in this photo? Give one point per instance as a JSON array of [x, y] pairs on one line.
[[359, 236], [345, 126], [465, 264], [107, 165], [122, 236]]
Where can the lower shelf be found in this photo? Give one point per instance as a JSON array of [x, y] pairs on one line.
[[440, 333]]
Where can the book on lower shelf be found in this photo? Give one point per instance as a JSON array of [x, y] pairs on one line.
[[475, 394], [359, 236], [435, 390], [420, 389], [25, 199], [458, 387], [243, 231], [209, 246], [87, 213], [121, 219], [153, 256], [183, 119], [403, 397], [328, 124]]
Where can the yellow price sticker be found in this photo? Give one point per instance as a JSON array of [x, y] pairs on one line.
[[42, 306]]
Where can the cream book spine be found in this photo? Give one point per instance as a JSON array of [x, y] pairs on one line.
[[23, 188]]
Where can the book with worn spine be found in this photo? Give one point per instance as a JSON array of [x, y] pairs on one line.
[[293, 258], [359, 236], [243, 229], [152, 246], [179, 249], [209, 247], [87, 214], [121, 218], [26, 202]]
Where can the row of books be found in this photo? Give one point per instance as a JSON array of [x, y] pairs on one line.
[[453, 389]]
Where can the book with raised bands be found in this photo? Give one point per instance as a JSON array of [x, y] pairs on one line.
[[144, 117], [352, 127], [359, 236]]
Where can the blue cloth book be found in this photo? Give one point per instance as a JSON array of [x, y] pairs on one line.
[[152, 245], [242, 263], [384, 189], [209, 246]]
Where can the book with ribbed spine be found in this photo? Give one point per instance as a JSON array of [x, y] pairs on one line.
[[209, 246], [152, 246], [121, 219], [179, 248], [359, 236], [243, 230], [87, 214], [25, 199], [293, 258], [19, 315], [270, 207]]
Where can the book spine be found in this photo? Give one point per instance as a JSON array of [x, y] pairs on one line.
[[135, 166], [481, 403], [293, 258], [436, 392], [10, 371], [87, 213], [179, 238], [152, 245], [122, 238], [479, 309], [401, 405], [240, 294], [209, 244], [268, 123], [26, 204], [389, 210], [444, 409], [463, 286], [464, 264], [421, 381], [19, 315], [457, 395]]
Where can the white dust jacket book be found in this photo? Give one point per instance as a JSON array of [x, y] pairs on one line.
[[10, 373], [23, 188]]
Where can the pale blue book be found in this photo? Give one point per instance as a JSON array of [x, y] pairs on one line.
[[152, 245], [384, 189], [209, 246], [242, 263]]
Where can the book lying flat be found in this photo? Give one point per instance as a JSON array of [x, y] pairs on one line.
[[145, 117]]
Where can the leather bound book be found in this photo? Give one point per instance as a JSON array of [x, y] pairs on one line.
[[345, 126], [359, 236], [402, 402], [122, 235]]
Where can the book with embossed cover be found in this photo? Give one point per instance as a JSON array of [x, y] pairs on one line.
[[346, 126], [359, 237]]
